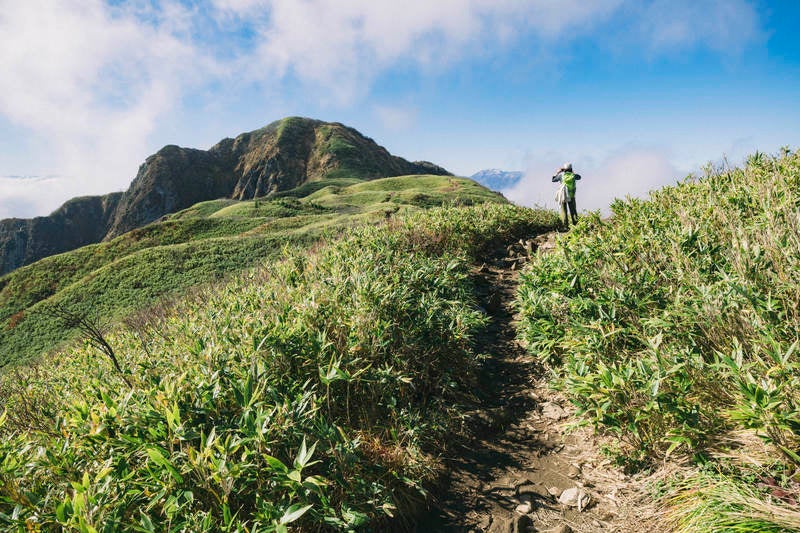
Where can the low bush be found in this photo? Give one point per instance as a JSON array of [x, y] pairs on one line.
[[311, 393], [677, 319]]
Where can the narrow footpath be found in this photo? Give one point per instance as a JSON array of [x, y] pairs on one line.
[[518, 468]]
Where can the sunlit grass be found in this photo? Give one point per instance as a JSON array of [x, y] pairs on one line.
[[314, 391], [203, 243], [677, 320]]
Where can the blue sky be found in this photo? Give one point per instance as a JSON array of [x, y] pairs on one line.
[[635, 93]]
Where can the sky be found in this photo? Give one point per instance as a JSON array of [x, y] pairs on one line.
[[636, 94]]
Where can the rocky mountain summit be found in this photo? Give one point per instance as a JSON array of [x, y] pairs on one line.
[[278, 157], [497, 179]]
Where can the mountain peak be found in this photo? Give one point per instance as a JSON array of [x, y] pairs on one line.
[[496, 179], [278, 157]]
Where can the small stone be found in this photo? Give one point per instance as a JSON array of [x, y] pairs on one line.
[[575, 497], [569, 496], [554, 491], [563, 528], [524, 508], [553, 411], [573, 471]]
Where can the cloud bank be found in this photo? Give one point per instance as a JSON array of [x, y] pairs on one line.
[[91, 81], [630, 171], [94, 80]]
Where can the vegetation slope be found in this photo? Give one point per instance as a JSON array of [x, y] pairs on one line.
[[313, 392], [674, 326], [201, 244]]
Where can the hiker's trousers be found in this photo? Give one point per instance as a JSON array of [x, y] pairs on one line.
[[573, 211]]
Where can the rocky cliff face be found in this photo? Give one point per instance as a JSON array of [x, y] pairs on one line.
[[78, 222], [170, 180], [291, 152], [279, 157]]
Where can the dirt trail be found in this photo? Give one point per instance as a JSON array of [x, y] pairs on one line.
[[520, 470]]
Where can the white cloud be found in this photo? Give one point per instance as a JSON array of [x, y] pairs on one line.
[[29, 196], [630, 171], [674, 25], [93, 80], [340, 47], [396, 118]]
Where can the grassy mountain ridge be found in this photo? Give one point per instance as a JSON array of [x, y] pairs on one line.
[[277, 158], [315, 391], [201, 244]]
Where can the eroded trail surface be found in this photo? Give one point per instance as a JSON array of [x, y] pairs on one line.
[[520, 470]]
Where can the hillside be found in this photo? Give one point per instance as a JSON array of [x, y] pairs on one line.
[[312, 393], [441, 367], [276, 158], [674, 328], [203, 243]]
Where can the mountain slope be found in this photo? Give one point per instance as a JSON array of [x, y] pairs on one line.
[[673, 326], [201, 244], [313, 393], [274, 159]]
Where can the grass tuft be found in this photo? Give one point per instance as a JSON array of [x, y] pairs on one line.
[[718, 503]]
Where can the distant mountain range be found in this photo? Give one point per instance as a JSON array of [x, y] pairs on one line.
[[276, 158], [497, 179]]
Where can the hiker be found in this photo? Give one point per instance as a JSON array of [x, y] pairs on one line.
[[566, 193]]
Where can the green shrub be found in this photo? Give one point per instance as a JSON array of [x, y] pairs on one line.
[[201, 244], [311, 393], [678, 318]]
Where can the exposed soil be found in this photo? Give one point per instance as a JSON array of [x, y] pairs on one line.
[[517, 458]]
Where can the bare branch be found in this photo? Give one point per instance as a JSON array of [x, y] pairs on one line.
[[90, 328]]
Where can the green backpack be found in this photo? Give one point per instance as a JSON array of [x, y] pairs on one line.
[[568, 179]]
